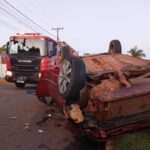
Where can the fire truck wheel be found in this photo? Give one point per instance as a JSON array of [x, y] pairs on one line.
[[71, 79], [115, 47], [20, 85]]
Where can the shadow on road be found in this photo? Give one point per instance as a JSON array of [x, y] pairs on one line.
[[85, 143]]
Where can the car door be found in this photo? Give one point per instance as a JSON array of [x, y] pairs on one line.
[[53, 70]]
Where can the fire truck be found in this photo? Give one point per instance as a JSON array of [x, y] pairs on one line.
[[27, 55]]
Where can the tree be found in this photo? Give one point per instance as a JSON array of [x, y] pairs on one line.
[[2, 48], [135, 52], [86, 54]]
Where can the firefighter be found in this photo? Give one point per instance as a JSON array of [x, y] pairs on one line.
[[14, 47]]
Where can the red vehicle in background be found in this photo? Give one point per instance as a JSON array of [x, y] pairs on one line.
[[27, 55]]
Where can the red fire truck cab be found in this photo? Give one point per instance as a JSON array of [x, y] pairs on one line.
[[27, 54]]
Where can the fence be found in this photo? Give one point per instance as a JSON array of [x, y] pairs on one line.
[[2, 69]]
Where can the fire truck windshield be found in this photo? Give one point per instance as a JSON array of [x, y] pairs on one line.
[[28, 46]]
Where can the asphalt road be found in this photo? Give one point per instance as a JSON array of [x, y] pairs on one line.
[[26, 124]]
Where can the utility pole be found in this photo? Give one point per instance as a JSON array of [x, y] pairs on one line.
[[58, 29]]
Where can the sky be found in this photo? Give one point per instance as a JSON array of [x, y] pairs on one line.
[[89, 25]]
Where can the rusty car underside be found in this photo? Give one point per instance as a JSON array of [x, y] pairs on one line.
[[118, 93]]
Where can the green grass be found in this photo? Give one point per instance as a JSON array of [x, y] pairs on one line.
[[133, 141]]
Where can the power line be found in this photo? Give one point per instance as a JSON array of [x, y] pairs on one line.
[[28, 18], [30, 8], [19, 20]]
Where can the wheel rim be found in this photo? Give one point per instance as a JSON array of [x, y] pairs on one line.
[[64, 76]]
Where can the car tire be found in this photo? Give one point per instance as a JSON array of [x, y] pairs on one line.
[[115, 47], [20, 85], [72, 77]]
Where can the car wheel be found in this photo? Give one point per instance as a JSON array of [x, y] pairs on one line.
[[71, 77], [115, 47], [20, 85]]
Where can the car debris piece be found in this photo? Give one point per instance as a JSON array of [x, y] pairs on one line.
[[49, 115], [27, 126], [40, 131], [74, 112]]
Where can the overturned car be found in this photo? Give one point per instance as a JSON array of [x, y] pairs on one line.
[[105, 94]]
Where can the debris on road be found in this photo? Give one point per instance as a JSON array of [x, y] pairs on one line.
[[40, 131], [49, 115], [27, 126]]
